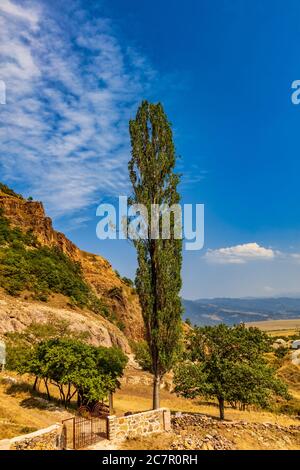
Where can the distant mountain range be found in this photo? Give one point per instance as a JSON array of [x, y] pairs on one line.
[[233, 311]]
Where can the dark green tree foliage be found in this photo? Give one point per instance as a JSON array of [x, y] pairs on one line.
[[14, 236], [75, 367], [228, 364], [142, 355], [281, 352], [158, 278], [129, 282]]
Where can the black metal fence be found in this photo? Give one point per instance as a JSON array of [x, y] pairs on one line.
[[80, 432]]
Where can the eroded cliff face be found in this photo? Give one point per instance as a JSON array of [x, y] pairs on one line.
[[30, 215]]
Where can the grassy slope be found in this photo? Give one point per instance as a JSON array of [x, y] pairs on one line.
[[139, 398], [21, 413], [27, 266], [282, 326]]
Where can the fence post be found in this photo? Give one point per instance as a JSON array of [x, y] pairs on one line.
[[111, 427], [107, 427], [167, 420]]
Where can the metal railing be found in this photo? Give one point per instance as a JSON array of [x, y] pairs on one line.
[[80, 432]]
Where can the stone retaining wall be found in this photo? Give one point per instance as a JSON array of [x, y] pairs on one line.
[[119, 428], [44, 439], [139, 424]]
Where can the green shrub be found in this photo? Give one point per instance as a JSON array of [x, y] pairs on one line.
[[116, 293], [142, 355], [128, 282], [281, 352], [75, 367], [291, 408]]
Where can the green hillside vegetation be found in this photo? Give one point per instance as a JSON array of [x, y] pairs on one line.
[[6, 190], [27, 266]]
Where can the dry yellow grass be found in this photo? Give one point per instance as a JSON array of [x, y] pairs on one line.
[[138, 398], [277, 325], [283, 333], [20, 413]]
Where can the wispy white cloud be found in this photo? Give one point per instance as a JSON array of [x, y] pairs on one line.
[[240, 254], [70, 92], [11, 9]]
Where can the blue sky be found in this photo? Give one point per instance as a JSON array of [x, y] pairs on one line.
[[75, 72]]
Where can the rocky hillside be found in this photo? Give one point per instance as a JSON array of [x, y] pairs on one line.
[[110, 289], [16, 314]]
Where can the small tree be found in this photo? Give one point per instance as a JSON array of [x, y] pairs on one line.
[[281, 352], [158, 279], [228, 364], [142, 355]]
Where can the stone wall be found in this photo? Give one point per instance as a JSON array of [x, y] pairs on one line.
[[44, 439], [139, 424], [119, 428]]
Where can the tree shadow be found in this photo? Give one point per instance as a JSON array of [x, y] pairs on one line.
[[38, 402], [207, 403], [37, 399]]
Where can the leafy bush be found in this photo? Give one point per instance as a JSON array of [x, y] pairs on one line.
[[142, 355], [128, 282], [228, 363], [75, 367], [281, 352]]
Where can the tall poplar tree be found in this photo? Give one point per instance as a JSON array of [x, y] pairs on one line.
[[158, 277]]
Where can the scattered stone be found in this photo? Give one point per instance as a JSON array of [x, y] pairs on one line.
[[7, 380], [188, 430]]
